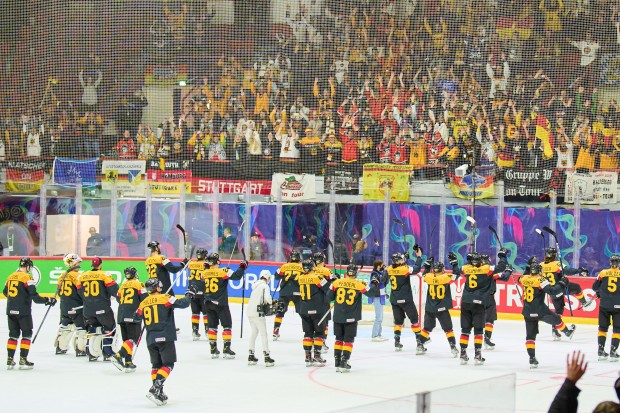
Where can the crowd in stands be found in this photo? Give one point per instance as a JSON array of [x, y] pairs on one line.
[[433, 84]]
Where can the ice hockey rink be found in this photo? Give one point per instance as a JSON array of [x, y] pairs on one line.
[[380, 379]]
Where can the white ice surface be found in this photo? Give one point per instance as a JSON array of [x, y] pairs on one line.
[[199, 383]]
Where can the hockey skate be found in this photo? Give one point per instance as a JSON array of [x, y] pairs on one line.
[[25, 364], [454, 351], [337, 360], [587, 303], [80, 353], [156, 393], [10, 364], [60, 351], [215, 353], [228, 353], [130, 367], [533, 363], [345, 367], [269, 362], [318, 360], [118, 362], [570, 332], [420, 349], [397, 345], [613, 356], [324, 349], [308, 358], [602, 355], [276, 333], [195, 335], [488, 344], [464, 358], [556, 334], [478, 359], [252, 360]]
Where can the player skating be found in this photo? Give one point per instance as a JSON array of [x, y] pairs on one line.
[[289, 289], [216, 297], [196, 267], [438, 302], [260, 302], [606, 287], [313, 289], [401, 296], [319, 267], [71, 309], [129, 296], [160, 267], [347, 312], [535, 286], [20, 291]]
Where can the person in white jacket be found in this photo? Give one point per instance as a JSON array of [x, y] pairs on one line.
[[260, 295]]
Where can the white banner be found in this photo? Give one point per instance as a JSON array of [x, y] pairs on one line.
[[128, 176], [294, 187], [592, 187]]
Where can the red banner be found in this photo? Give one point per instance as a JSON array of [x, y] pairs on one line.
[[229, 186], [24, 176]]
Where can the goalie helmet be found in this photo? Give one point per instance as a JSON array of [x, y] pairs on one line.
[[307, 265], [295, 256], [71, 260], [352, 270], [152, 285], [614, 260], [153, 246], [201, 254], [550, 254], [131, 273], [318, 257], [26, 262]]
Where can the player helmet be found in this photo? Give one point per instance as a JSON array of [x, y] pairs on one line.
[[614, 260], [26, 262], [295, 256], [318, 257], [468, 257], [153, 246], [397, 258], [307, 265], [438, 267], [201, 254], [152, 284], [131, 273], [213, 258], [550, 254], [71, 260], [352, 270], [535, 268], [485, 258], [476, 259]]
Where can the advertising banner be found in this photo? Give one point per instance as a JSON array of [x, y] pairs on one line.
[[380, 177], [592, 187], [528, 184], [25, 176], [229, 186], [294, 187], [126, 176], [72, 172], [167, 177]]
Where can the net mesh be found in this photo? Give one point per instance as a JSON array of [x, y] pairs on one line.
[[238, 90]]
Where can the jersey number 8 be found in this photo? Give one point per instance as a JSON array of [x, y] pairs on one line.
[[528, 294]]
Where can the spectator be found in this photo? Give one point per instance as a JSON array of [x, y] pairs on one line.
[[89, 96], [216, 148], [256, 247], [95, 244], [228, 242], [359, 250], [125, 146]]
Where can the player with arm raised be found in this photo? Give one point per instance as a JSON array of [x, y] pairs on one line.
[[438, 301], [130, 294], [216, 296], [401, 296], [71, 309], [196, 267], [319, 261], [347, 312], [606, 287], [535, 309], [160, 267], [286, 277], [20, 291]]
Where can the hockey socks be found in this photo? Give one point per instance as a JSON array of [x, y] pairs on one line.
[[464, 341], [488, 330], [530, 346], [11, 346]]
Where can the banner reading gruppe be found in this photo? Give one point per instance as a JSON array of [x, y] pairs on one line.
[[25, 176], [528, 184], [72, 172]]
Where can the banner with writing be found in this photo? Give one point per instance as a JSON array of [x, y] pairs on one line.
[[168, 177], [610, 69], [529, 184], [294, 187], [229, 186], [341, 181], [592, 187], [25, 176], [72, 172], [472, 185], [380, 178], [125, 176]]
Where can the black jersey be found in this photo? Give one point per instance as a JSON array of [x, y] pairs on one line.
[[68, 293], [160, 267], [313, 289], [400, 282], [552, 271], [157, 310], [195, 276], [534, 289], [439, 295], [216, 283], [20, 292], [129, 296], [287, 276], [606, 285], [96, 289], [348, 299], [478, 283]]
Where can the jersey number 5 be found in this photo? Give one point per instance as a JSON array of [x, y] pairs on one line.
[[612, 284], [12, 287]]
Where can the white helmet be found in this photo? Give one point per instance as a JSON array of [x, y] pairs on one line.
[[266, 275], [71, 260]]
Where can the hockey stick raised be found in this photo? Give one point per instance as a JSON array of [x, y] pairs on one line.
[[242, 294], [180, 228]]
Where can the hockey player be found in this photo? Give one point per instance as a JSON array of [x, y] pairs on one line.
[[260, 299], [552, 271], [20, 291], [160, 267], [476, 296], [401, 297], [606, 287], [157, 310], [490, 312], [313, 290], [347, 312], [97, 289], [216, 297], [71, 314], [289, 289], [438, 301], [320, 268], [535, 286], [130, 294], [198, 302]]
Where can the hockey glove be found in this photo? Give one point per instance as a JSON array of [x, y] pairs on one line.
[[563, 282], [452, 259], [502, 253], [191, 291], [185, 261], [244, 264], [583, 272], [51, 301]]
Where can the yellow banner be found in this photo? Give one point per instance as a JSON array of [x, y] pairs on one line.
[[170, 187], [463, 187], [382, 177]]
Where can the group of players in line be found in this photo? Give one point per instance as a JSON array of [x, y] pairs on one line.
[[87, 316]]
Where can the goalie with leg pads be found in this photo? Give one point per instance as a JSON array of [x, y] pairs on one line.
[[71, 316], [62, 341]]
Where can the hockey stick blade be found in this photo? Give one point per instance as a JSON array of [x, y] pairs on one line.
[[398, 221], [471, 220], [549, 230], [539, 232]]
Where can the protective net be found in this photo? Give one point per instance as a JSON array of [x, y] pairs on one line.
[[216, 94]]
